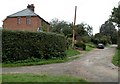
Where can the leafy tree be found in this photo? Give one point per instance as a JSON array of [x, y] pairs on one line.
[[89, 30], [115, 17], [61, 27], [100, 38], [108, 29], [82, 32]]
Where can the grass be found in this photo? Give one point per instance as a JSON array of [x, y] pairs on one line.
[[41, 62], [116, 58], [69, 53], [39, 78], [0, 78], [90, 46]]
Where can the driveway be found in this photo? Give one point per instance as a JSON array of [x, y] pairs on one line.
[[95, 66]]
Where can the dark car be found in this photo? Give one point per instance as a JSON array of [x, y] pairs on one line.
[[100, 46]]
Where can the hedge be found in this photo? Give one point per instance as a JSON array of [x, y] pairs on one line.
[[118, 39], [19, 45]]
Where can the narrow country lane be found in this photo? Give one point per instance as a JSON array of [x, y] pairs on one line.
[[95, 66]]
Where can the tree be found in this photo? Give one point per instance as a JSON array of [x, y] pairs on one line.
[[108, 29], [83, 31], [80, 30], [115, 17], [100, 38], [61, 27], [89, 30]]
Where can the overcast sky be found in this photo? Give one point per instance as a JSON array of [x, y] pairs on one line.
[[92, 12]]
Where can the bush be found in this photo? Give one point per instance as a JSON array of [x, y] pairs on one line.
[[118, 39], [80, 44], [18, 45], [69, 43]]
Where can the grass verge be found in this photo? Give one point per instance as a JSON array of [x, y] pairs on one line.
[[71, 52], [116, 58], [39, 78], [42, 62]]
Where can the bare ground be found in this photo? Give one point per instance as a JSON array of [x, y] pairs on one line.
[[95, 66]]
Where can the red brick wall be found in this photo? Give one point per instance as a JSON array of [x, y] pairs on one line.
[[12, 24]]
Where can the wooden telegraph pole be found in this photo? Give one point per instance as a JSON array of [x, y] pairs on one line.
[[74, 28]]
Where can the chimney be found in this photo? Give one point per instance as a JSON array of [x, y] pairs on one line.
[[31, 7]]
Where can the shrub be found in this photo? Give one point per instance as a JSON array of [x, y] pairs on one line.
[[69, 42], [118, 39], [18, 45], [80, 44]]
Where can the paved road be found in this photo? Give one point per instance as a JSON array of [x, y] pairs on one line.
[[94, 66]]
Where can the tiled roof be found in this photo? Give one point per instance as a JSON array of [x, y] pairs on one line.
[[25, 12]]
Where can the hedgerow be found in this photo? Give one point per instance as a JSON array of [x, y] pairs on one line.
[[19, 45], [118, 39]]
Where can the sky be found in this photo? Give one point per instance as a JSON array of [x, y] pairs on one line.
[[91, 12]]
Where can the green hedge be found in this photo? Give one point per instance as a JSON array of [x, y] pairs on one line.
[[18, 45], [119, 39]]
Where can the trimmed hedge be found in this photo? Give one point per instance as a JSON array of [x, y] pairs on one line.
[[118, 39], [19, 45]]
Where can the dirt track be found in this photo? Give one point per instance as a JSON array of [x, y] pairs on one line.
[[94, 66]]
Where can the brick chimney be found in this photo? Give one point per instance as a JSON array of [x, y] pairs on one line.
[[31, 7]]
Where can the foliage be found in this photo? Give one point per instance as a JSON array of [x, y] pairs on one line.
[[44, 26], [116, 58], [36, 61], [108, 29], [39, 78], [99, 38], [60, 27], [115, 17], [18, 45], [80, 44], [83, 30], [66, 28], [119, 39]]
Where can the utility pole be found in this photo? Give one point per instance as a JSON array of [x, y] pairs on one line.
[[74, 28]]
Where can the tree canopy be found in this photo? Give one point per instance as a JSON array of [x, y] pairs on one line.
[[115, 17], [66, 28], [108, 29]]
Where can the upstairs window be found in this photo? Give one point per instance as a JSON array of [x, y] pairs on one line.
[[19, 20], [28, 20]]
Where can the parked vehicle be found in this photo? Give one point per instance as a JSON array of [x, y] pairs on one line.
[[100, 46]]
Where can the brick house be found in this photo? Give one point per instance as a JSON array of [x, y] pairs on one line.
[[26, 20]]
